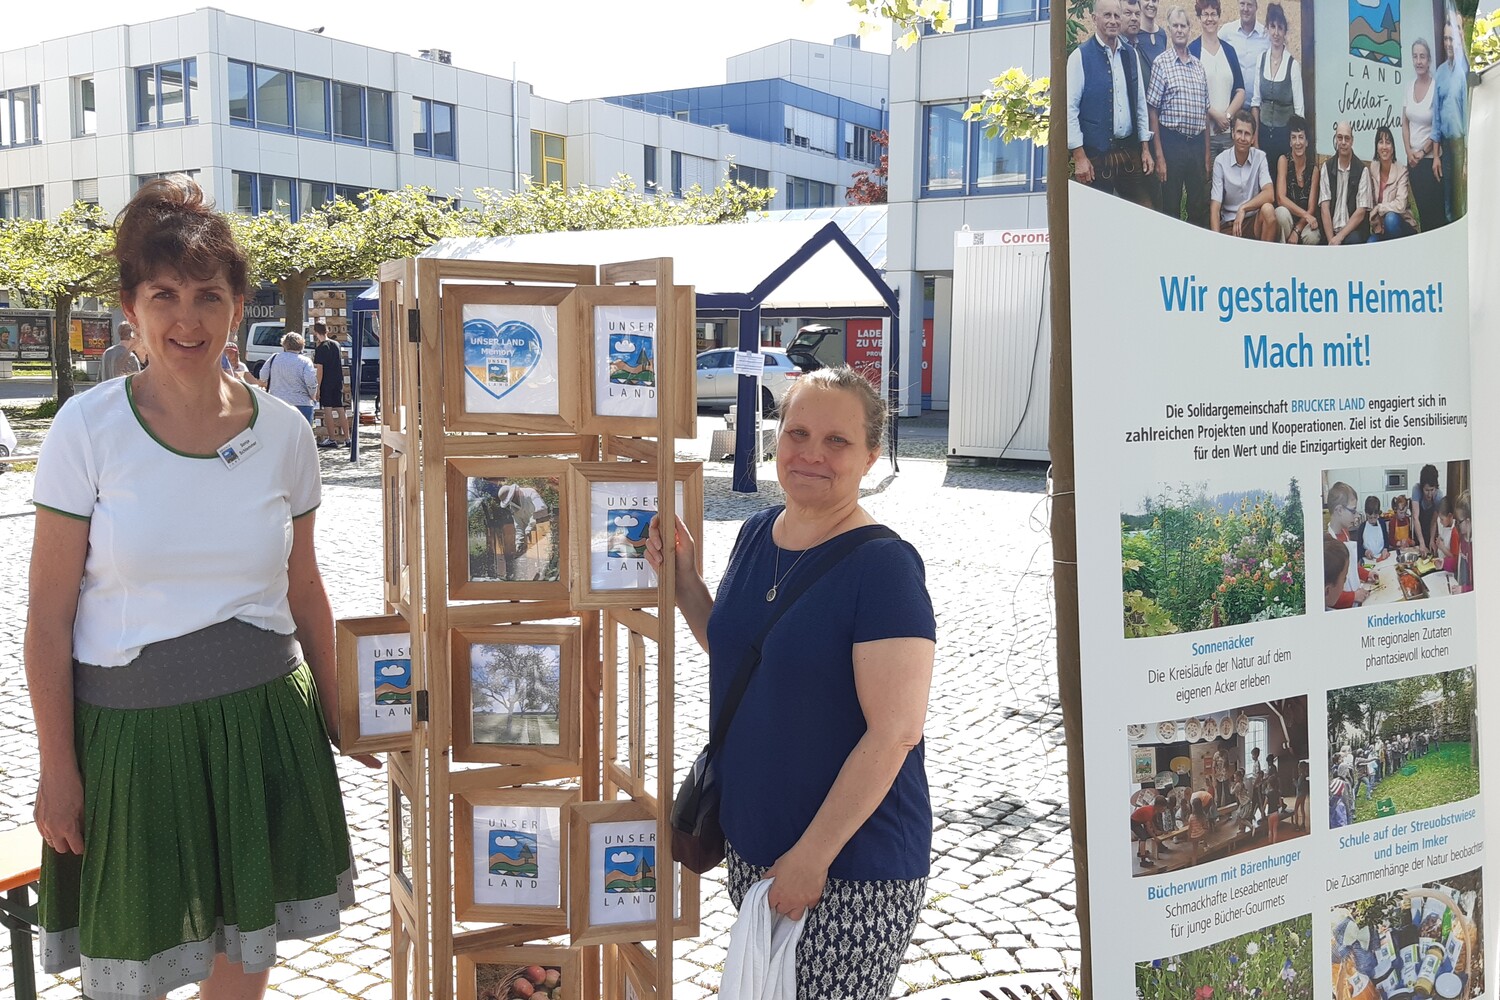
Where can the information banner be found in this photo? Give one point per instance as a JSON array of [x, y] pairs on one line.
[[1273, 452]]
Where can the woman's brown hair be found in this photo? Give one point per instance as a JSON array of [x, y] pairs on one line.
[[170, 225]]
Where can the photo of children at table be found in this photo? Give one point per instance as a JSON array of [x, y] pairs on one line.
[[1185, 814], [1411, 538]]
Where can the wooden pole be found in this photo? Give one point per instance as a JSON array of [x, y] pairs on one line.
[[1064, 509]]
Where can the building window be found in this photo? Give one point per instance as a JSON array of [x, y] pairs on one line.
[[165, 94], [804, 193], [810, 130], [86, 191], [859, 144], [273, 99], [348, 112], [20, 116], [754, 176], [313, 194], [22, 203], [961, 160], [689, 172], [973, 14], [549, 159], [648, 169], [85, 108], [682, 115], [278, 101], [241, 93], [142, 179], [947, 136], [312, 106], [255, 194], [432, 129]]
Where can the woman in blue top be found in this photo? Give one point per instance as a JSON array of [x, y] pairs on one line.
[[823, 785]]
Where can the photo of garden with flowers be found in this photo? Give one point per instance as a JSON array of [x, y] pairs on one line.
[[1274, 961], [1201, 556]]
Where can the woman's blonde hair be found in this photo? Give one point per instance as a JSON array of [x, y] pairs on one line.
[[848, 380]]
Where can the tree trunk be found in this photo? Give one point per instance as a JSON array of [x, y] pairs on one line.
[[293, 289], [62, 347]]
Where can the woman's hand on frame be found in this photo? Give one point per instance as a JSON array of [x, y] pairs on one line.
[[686, 548]]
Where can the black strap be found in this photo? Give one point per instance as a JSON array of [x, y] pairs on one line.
[[838, 548]]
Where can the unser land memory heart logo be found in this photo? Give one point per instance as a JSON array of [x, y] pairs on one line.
[[501, 358]]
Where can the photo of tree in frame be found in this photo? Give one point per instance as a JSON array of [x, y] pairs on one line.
[[516, 693]]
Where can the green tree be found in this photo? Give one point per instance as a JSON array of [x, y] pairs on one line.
[[341, 241], [55, 262], [1484, 48], [548, 208]]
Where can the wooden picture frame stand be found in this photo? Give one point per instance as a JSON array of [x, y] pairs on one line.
[[461, 340]]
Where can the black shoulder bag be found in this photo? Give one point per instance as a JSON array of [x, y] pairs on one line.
[[697, 839]]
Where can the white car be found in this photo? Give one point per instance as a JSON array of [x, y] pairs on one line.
[[718, 385], [7, 441]]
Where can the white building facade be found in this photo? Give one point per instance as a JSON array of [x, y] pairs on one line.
[[946, 176], [268, 117]]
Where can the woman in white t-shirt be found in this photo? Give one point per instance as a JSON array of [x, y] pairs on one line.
[[182, 681], [1424, 155]]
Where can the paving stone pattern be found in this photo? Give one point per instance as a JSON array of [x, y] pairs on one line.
[[1002, 888]]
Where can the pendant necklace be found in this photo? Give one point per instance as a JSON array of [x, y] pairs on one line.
[[777, 577]]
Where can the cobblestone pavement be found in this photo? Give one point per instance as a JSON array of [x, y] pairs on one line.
[[1002, 888]]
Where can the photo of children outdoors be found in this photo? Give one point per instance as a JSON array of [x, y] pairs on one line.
[[1206, 555], [1426, 941], [1208, 787], [1224, 126], [1273, 961], [1401, 745], [1396, 533]]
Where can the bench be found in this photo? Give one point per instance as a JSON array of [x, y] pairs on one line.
[[20, 868]]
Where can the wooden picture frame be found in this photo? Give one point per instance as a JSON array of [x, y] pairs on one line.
[[529, 563], [489, 971], [608, 401], [402, 829], [612, 503], [523, 831], [520, 657], [397, 572], [510, 358], [612, 875], [372, 661], [634, 976]]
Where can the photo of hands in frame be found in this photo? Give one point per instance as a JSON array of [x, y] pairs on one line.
[[508, 523]]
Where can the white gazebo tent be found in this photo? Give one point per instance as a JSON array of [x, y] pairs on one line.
[[789, 269]]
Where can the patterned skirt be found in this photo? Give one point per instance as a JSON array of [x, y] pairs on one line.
[[854, 939], [212, 818]]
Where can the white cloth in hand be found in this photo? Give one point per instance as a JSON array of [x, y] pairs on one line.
[[762, 960]]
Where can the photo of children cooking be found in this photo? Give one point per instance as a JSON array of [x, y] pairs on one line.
[[1396, 533], [1219, 784]]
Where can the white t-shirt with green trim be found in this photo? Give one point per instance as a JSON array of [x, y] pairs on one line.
[[177, 542]]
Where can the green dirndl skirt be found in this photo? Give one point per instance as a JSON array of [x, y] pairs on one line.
[[212, 818]]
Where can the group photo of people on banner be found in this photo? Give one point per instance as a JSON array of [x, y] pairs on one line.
[[1218, 117]]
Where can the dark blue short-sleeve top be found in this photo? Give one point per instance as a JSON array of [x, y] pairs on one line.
[[801, 717]]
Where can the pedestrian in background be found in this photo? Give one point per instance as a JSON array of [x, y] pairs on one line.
[[329, 362], [182, 679], [290, 377], [823, 786], [119, 359], [233, 364]]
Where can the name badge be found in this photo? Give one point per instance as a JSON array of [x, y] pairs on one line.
[[239, 448]]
